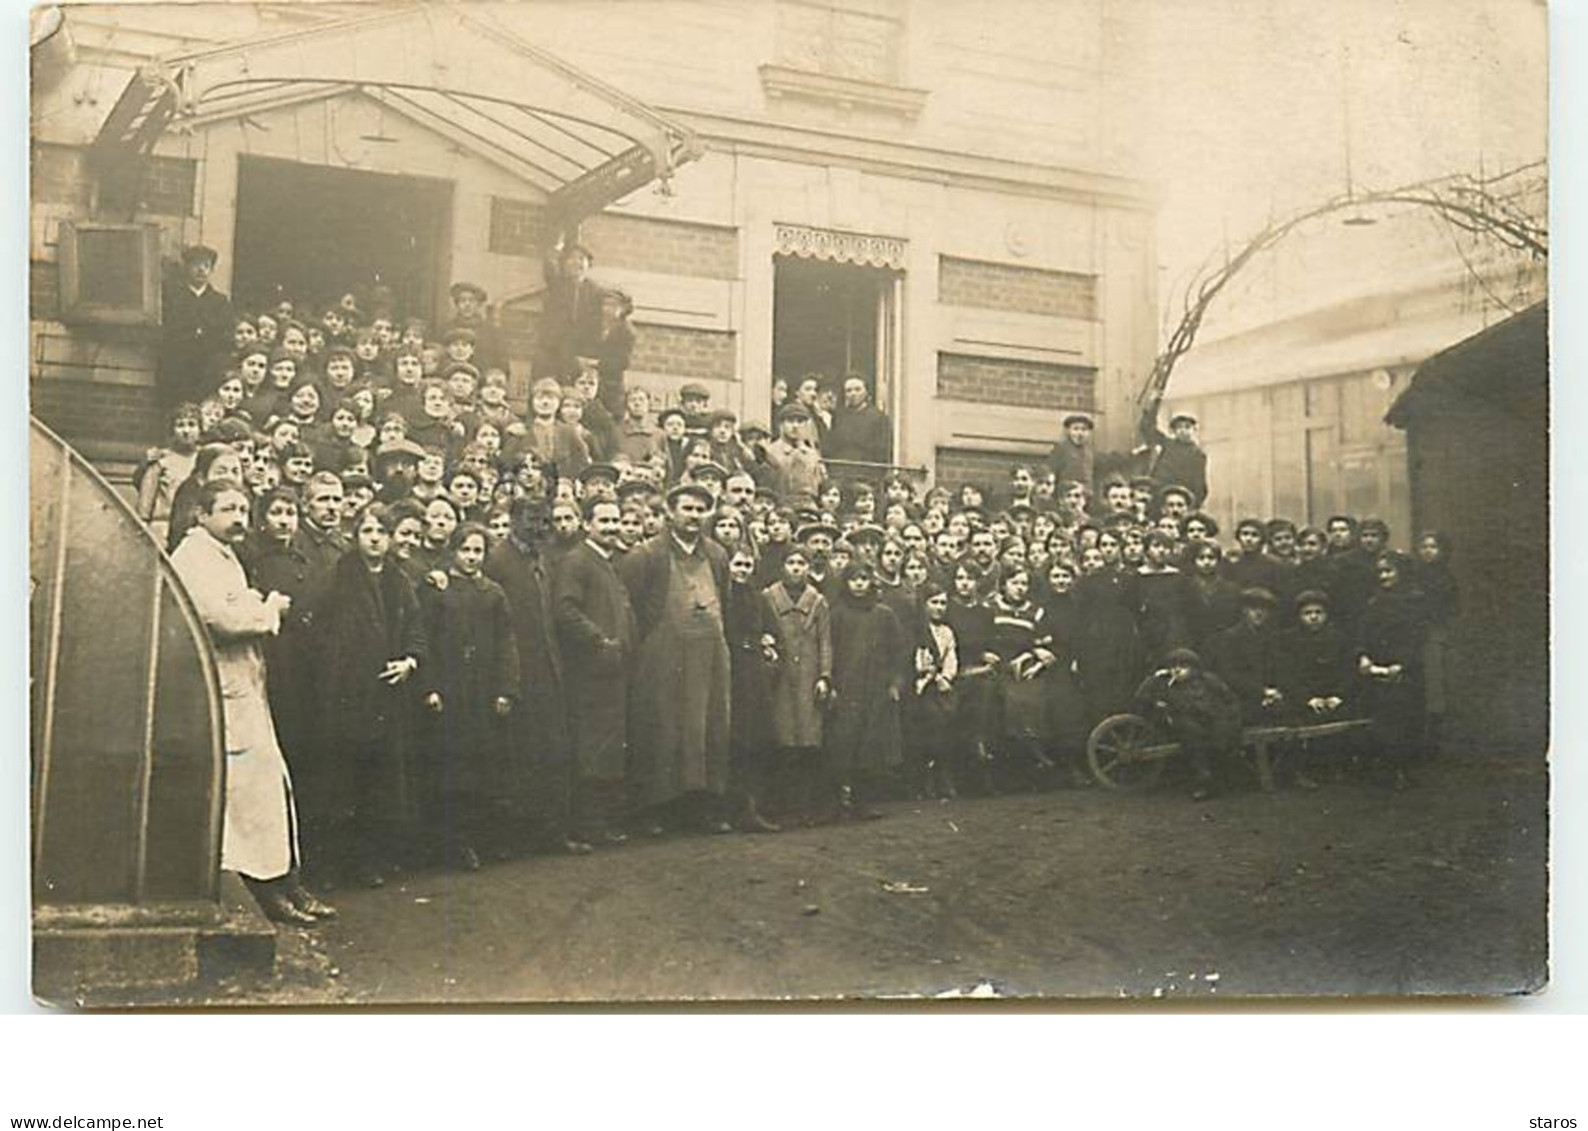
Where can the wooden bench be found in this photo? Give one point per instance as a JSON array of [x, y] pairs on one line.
[[1129, 752]]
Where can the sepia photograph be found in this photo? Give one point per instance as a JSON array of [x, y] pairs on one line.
[[680, 502]]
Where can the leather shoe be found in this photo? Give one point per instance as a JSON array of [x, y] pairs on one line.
[[309, 903], [278, 908]]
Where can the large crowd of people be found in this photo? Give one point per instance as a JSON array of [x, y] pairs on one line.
[[471, 628]]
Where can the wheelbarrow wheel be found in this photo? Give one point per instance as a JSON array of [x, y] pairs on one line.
[[1125, 752]]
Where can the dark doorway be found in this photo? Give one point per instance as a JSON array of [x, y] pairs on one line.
[[312, 233], [825, 318]]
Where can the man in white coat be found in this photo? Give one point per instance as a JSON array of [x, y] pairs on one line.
[[259, 840]]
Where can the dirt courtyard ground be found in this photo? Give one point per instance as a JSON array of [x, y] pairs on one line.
[[1353, 889]]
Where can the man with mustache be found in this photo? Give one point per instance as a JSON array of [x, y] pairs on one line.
[[257, 841]]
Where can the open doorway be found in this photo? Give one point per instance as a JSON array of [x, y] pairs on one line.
[[312, 233], [835, 318]]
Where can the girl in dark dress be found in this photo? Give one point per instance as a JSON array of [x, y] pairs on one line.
[[930, 704], [1067, 725], [372, 640], [469, 686], [751, 631], [976, 718], [1020, 640], [862, 736]]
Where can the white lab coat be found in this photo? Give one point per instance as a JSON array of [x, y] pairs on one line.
[[259, 838]]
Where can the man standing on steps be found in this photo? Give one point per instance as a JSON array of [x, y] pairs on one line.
[[196, 327], [258, 841]]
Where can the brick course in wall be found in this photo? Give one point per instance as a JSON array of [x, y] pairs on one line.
[[683, 352], [988, 470], [85, 412], [665, 247], [1023, 384], [995, 286]]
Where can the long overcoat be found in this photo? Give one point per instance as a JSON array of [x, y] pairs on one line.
[[369, 619], [805, 655], [258, 837], [474, 661], [539, 734], [679, 726], [591, 608]]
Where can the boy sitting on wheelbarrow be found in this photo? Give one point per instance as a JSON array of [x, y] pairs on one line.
[[1199, 711]]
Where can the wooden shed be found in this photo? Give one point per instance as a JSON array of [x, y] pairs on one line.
[[1476, 418]]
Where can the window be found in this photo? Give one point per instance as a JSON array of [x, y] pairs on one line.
[[517, 227], [110, 273], [852, 39], [160, 185]]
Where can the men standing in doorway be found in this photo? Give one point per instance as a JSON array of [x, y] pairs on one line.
[[860, 432], [196, 323], [258, 840]]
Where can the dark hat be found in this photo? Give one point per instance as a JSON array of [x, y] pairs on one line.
[[868, 532], [629, 488], [1143, 482], [1373, 524], [397, 449], [708, 470], [695, 389], [1256, 524], [793, 411], [717, 416], [1280, 524], [694, 489], [754, 428], [810, 528], [458, 334], [673, 411], [1078, 418], [1257, 595], [1176, 489], [1182, 417], [1209, 523], [460, 367], [464, 288], [199, 253], [1311, 597], [599, 471]]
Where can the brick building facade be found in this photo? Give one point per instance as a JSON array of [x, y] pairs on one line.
[[938, 199]]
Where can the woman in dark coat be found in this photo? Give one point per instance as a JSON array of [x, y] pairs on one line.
[[372, 641], [469, 687], [1432, 574], [1391, 634], [750, 627], [1067, 718], [863, 731], [1213, 600]]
